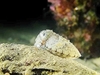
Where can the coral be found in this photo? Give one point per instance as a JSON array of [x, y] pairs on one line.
[[78, 20]]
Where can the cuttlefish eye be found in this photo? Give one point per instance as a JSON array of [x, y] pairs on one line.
[[42, 35]]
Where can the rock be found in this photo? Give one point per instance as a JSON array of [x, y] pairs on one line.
[[51, 55], [29, 60], [93, 63]]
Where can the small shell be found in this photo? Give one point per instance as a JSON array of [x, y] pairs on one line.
[[56, 44]]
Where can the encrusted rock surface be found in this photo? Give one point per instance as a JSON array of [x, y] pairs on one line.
[[17, 59]]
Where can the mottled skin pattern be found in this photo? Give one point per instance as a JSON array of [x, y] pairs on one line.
[[56, 44]]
